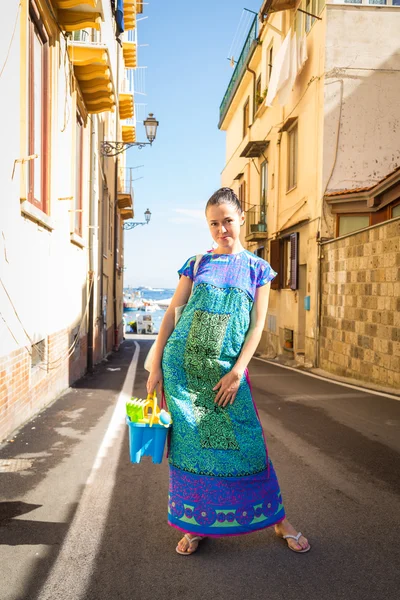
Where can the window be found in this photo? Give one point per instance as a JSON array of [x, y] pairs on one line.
[[117, 243], [110, 225], [259, 97], [263, 191], [350, 223], [105, 222], [242, 195], [260, 252], [292, 157], [286, 262], [299, 23], [270, 60], [246, 115], [284, 259], [38, 109], [396, 211], [38, 353], [308, 17], [78, 175]]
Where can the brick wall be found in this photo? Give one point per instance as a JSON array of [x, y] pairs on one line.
[[360, 312], [24, 390]]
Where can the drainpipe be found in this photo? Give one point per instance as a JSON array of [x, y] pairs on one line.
[[91, 248], [116, 344], [254, 91], [318, 301]]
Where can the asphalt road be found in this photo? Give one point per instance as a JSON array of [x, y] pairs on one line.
[[78, 521]]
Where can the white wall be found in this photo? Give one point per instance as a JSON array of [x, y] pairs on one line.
[[362, 76], [44, 273]]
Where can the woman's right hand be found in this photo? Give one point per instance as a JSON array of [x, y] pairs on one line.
[[155, 381]]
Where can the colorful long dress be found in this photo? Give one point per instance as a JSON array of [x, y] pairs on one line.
[[221, 479]]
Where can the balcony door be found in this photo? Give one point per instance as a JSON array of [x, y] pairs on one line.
[[263, 192]]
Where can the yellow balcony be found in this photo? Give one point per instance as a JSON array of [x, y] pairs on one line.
[[130, 55], [92, 69], [129, 14], [74, 14]]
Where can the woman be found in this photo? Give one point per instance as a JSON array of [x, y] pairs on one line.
[[221, 479]]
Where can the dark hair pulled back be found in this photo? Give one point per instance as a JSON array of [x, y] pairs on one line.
[[224, 195]]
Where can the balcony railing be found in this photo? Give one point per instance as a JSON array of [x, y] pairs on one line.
[[87, 36], [256, 222], [247, 51]]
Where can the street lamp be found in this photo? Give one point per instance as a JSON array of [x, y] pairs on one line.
[[114, 148], [133, 224]]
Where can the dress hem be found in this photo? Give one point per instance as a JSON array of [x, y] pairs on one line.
[[219, 535]]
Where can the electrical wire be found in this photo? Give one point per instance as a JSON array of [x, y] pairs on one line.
[[11, 41]]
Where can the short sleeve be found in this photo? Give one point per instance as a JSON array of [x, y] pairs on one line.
[[188, 268], [265, 274]]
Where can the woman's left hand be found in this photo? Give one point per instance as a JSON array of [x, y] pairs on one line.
[[227, 388]]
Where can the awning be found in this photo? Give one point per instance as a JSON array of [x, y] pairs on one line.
[[126, 106], [92, 70], [254, 149], [128, 133], [271, 6], [73, 15], [129, 14], [130, 55]]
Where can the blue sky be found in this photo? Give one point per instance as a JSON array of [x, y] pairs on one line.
[[186, 79]]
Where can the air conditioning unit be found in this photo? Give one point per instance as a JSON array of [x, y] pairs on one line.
[[257, 227]]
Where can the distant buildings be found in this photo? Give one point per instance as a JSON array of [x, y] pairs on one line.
[[312, 148], [66, 87]]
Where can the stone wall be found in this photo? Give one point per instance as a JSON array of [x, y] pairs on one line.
[[360, 312]]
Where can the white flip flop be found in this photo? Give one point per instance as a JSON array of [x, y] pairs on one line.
[[296, 537], [190, 540]]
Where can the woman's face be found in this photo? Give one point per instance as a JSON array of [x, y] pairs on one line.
[[224, 222]]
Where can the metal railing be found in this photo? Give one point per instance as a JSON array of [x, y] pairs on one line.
[[247, 50], [126, 179], [86, 36], [256, 219], [128, 83]]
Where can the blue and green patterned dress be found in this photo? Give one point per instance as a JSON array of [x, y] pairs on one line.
[[221, 479]]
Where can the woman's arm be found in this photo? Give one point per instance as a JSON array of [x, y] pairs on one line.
[[229, 384], [181, 296]]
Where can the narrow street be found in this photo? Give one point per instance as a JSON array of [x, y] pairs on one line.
[[78, 521]]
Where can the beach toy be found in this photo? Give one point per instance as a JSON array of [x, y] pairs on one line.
[[135, 409], [148, 429], [164, 417]]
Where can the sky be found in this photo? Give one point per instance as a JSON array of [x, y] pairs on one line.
[[185, 47]]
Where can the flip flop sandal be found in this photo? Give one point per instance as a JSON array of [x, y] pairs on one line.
[[190, 540], [296, 537]]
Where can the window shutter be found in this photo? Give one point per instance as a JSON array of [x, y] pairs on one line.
[[294, 261], [275, 262]]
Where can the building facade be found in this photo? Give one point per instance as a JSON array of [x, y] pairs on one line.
[[310, 116], [66, 88]]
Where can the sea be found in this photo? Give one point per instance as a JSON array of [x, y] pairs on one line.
[[149, 294]]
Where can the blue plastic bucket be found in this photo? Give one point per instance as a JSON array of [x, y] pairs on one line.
[[146, 441]]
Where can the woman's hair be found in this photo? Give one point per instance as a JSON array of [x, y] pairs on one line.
[[224, 195]]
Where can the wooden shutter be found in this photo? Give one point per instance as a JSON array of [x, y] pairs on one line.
[[294, 261], [275, 262]]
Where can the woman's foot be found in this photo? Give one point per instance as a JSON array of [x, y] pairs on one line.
[[295, 543], [188, 544]]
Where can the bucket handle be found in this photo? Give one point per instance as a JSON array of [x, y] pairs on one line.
[[152, 398]]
